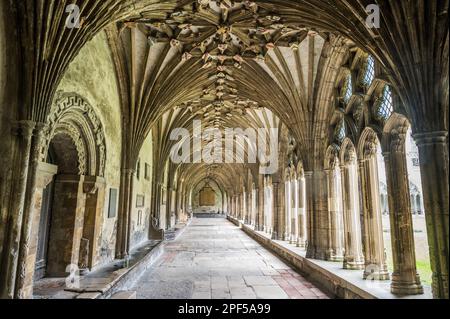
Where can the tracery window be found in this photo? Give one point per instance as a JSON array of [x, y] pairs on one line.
[[369, 71], [347, 89], [339, 131], [384, 106]]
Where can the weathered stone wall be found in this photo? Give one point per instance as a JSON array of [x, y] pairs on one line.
[[140, 216], [92, 76], [8, 108]]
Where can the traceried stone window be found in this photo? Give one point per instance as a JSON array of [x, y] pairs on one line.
[[347, 89], [384, 106], [369, 71]]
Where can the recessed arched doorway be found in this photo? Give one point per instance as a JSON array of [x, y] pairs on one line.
[[70, 191], [62, 210]]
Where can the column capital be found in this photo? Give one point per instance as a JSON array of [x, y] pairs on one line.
[[128, 171], [24, 128], [92, 184], [437, 137]]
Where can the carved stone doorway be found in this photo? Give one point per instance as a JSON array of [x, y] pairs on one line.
[[62, 212]]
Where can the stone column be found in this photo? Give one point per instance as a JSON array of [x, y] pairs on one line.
[[267, 202], [275, 218], [335, 215], [260, 223], [295, 213], [67, 224], [318, 243], [310, 217], [233, 206], [405, 280], [13, 229], [94, 188], [302, 219], [44, 176], [169, 208], [281, 211], [124, 213], [248, 207], [27, 220], [374, 252], [287, 211], [223, 203], [434, 166], [353, 258], [239, 206]]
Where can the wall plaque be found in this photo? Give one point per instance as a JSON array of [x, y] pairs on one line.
[[112, 206]]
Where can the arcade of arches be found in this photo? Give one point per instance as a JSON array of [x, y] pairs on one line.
[[361, 115]]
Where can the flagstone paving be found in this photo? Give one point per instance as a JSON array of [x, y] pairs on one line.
[[214, 259]]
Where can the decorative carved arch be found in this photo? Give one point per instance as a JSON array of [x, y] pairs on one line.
[[300, 170], [332, 157], [368, 142], [394, 133], [348, 152], [287, 174], [75, 117]]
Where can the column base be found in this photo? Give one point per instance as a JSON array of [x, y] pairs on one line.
[[440, 286], [274, 235], [376, 275], [406, 288], [336, 255], [301, 242], [316, 253], [353, 265], [336, 258]]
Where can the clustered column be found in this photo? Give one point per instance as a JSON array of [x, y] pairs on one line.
[[434, 167], [353, 258], [405, 279]]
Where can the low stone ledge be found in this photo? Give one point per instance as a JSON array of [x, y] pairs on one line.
[[125, 295], [328, 276], [112, 279]]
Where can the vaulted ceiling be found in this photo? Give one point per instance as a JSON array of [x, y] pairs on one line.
[[230, 62]]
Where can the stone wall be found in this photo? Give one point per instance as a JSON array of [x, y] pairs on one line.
[[8, 109], [140, 216], [92, 76]]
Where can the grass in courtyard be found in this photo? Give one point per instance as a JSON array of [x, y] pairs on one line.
[[424, 270]]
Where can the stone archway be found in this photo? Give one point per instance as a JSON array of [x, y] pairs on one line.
[[69, 227]]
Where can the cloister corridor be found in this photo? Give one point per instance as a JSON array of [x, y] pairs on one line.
[[224, 149], [214, 259]]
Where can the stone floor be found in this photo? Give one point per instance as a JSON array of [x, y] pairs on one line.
[[213, 259]]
